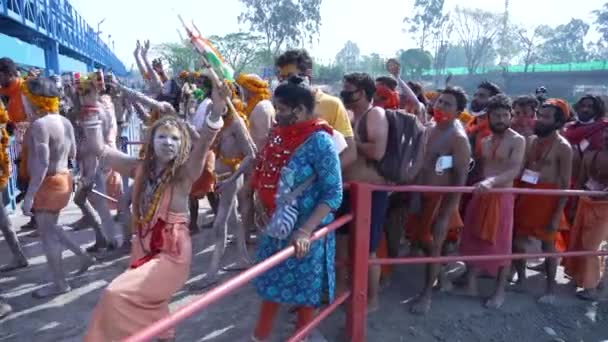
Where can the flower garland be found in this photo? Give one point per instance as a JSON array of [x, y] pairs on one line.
[[258, 89], [4, 157], [151, 210], [45, 104]]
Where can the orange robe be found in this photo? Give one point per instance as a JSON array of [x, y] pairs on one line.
[[204, 184], [589, 230], [140, 296], [54, 193], [533, 213], [419, 226]]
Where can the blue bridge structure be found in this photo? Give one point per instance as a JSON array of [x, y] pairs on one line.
[[54, 32]]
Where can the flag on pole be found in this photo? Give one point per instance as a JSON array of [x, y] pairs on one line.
[[210, 53]]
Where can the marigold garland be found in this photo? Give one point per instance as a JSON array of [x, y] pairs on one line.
[[4, 157], [45, 104], [258, 89]]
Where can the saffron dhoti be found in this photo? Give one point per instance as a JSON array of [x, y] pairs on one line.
[[488, 230], [204, 184], [54, 193], [590, 229], [140, 296], [419, 226], [533, 215]]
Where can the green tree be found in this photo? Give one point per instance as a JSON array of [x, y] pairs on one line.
[[328, 74], [373, 64], [428, 16], [179, 56], [565, 43], [441, 45], [477, 31], [282, 22], [349, 56], [239, 49], [530, 42], [601, 21], [415, 61]]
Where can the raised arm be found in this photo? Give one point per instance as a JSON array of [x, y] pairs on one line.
[[140, 66], [136, 96], [203, 139], [155, 83]]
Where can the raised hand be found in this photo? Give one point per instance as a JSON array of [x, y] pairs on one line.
[[137, 48], [219, 96], [146, 46]]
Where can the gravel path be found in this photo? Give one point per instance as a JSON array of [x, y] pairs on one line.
[[452, 318]]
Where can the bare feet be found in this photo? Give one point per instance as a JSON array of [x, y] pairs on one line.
[[50, 291], [496, 301], [589, 294], [372, 306], [85, 263], [519, 286], [422, 305], [29, 226], [81, 224], [5, 309], [15, 265]]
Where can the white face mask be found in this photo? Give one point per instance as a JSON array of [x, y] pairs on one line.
[[167, 142]]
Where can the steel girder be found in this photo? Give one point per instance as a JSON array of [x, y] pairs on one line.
[[48, 22]]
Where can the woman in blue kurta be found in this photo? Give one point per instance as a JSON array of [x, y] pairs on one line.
[[300, 146]]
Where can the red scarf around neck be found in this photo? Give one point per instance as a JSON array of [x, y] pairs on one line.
[[576, 132], [281, 144]]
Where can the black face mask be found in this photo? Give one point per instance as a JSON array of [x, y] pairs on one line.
[[348, 96], [284, 120], [477, 107]]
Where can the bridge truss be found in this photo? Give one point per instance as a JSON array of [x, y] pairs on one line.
[[56, 27]]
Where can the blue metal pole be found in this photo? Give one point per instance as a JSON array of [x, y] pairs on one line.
[[51, 57]]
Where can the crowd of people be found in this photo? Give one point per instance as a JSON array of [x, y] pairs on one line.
[[272, 164]]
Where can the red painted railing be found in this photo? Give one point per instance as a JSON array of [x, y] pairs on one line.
[[360, 219]]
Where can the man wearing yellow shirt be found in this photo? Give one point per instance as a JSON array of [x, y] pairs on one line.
[[329, 108]]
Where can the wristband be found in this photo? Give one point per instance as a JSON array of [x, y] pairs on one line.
[[215, 125]]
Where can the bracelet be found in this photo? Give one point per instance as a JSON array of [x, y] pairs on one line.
[[215, 125]]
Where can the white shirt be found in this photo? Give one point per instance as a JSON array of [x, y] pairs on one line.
[[198, 120], [339, 141]]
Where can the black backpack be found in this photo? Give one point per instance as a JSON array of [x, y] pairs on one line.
[[402, 146]]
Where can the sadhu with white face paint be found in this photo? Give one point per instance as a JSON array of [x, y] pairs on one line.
[[162, 249], [51, 141]]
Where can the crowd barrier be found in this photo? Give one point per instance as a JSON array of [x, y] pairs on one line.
[[356, 298]]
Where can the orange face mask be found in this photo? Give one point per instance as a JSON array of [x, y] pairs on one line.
[[441, 116]]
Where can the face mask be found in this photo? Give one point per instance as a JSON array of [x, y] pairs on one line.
[[441, 116], [348, 96], [476, 106], [284, 120]]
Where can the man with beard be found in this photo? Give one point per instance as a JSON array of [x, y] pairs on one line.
[[548, 165], [488, 223], [524, 114], [371, 134], [479, 128], [446, 163]]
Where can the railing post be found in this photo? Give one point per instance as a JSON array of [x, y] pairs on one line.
[[356, 321]]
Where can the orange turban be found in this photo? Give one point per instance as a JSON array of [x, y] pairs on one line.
[[561, 104]]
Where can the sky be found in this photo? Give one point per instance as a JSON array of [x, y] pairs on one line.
[[342, 20]]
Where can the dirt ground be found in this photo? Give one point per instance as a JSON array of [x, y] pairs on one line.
[[452, 318]]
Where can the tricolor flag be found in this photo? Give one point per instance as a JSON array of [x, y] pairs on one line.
[[210, 53]]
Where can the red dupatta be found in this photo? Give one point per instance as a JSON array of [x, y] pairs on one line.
[[283, 141]]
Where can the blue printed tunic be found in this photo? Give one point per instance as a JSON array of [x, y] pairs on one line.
[[302, 281]]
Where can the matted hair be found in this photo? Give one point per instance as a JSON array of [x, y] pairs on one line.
[[149, 158]]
